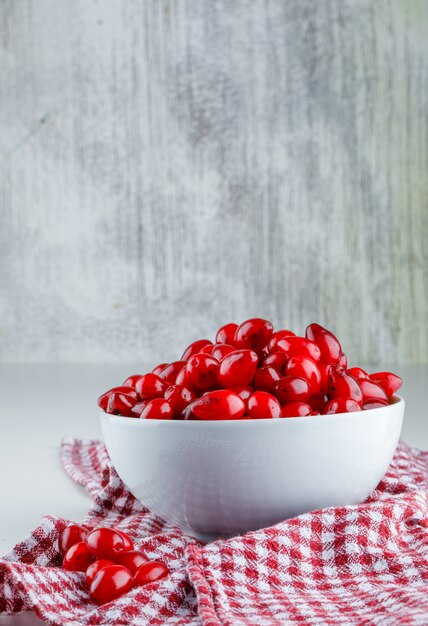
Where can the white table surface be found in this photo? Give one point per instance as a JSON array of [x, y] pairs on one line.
[[41, 403]]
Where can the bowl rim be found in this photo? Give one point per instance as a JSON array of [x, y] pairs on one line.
[[121, 419]]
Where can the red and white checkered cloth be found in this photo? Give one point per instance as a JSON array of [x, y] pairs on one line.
[[365, 564]]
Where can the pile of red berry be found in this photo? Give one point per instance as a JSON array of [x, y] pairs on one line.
[[107, 556], [253, 372]]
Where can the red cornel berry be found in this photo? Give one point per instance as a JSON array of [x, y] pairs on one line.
[[201, 370], [71, 535], [105, 543], [254, 334], [149, 572], [237, 369], [218, 405], [110, 583]]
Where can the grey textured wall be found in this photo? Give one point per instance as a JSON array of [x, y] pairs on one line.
[[171, 165]]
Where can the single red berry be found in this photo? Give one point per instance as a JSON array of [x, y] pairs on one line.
[[299, 346], [296, 409], [150, 386], [341, 405], [110, 583], [104, 398], [183, 380], [280, 334], [157, 370], [226, 334], [138, 408], [277, 360], [171, 371], [179, 397], [357, 373], [194, 348], [201, 370], [243, 392], [253, 334], [374, 403], [94, 568], [221, 404], [265, 379], [157, 409], [389, 382], [69, 536], [77, 558], [371, 391], [131, 381], [304, 367], [149, 572], [237, 369], [220, 350], [341, 385], [331, 350], [105, 543], [263, 405], [120, 404], [291, 389], [132, 560], [318, 401]]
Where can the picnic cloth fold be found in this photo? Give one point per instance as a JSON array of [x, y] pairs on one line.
[[364, 564]]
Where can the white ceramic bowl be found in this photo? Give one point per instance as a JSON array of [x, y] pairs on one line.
[[227, 477]]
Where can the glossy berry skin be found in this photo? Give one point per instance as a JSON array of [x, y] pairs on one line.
[[157, 409], [105, 543], [138, 408], [343, 361], [263, 405], [207, 349], [110, 583], [331, 350], [280, 334], [373, 403], [324, 369], [220, 350], [389, 382], [277, 360], [341, 405], [132, 560], [296, 409], [299, 346], [127, 541], [341, 385], [149, 572], [358, 373], [182, 378], [194, 348], [94, 568], [69, 536], [371, 390], [304, 367], [243, 392], [237, 369], [150, 386], [265, 379], [221, 404], [120, 404], [201, 370], [179, 397], [318, 401], [253, 334], [171, 371], [157, 370], [104, 398], [226, 334], [131, 381], [77, 558], [292, 389]]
